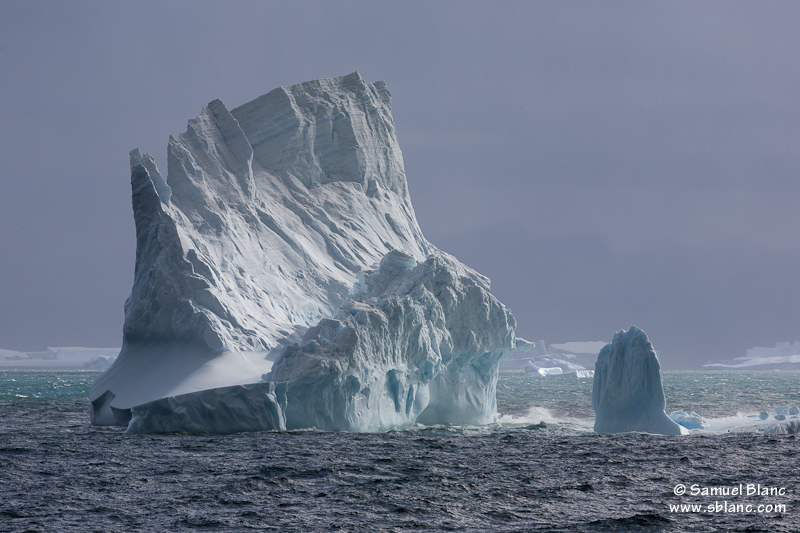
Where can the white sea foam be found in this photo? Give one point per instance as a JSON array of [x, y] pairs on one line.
[[537, 415]]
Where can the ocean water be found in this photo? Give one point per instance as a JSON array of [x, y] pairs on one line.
[[58, 473]]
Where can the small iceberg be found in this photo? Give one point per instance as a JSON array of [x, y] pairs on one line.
[[688, 420], [534, 371]]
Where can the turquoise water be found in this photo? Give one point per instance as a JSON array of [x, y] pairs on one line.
[[722, 393], [711, 394], [20, 385]]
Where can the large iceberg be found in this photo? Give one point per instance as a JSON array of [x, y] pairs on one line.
[[627, 393], [282, 280]]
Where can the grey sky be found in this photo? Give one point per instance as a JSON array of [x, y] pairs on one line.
[[605, 163]]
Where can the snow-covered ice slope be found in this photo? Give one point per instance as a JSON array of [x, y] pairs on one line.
[[269, 223], [627, 393]]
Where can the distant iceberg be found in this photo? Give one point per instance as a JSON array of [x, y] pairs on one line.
[[627, 394], [532, 370], [577, 374], [579, 348], [283, 244], [784, 356], [558, 361], [60, 358], [569, 356], [535, 371]]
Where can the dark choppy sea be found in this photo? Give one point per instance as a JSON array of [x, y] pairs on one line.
[[58, 473]]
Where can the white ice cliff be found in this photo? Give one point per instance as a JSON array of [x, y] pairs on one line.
[[627, 393], [283, 244]]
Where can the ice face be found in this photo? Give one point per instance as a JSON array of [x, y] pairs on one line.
[[253, 407], [275, 220], [627, 394], [417, 343]]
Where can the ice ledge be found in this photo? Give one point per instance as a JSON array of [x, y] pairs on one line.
[[149, 372], [254, 407]]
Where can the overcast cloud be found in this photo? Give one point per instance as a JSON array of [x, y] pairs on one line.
[[605, 163]]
